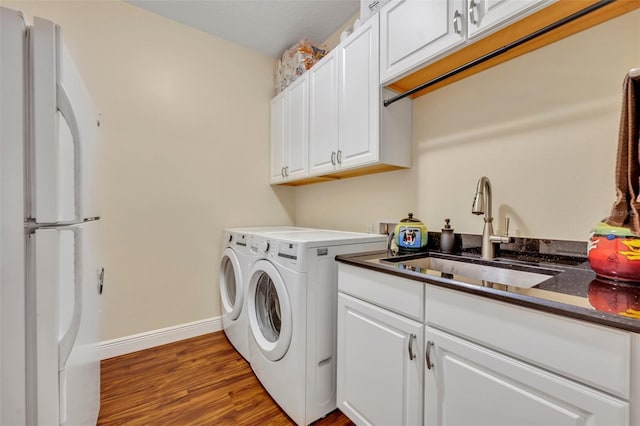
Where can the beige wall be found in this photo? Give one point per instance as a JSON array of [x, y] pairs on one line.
[[542, 127], [185, 126], [334, 39]]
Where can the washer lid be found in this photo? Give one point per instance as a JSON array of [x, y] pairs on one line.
[[269, 310]]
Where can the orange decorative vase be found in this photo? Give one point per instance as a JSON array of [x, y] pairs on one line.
[[614, 253]]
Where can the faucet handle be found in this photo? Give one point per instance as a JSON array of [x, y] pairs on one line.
[[502, 239]]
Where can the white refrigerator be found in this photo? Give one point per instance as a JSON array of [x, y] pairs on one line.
[[51, 275]]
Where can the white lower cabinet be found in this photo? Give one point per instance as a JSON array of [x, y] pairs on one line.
[[380, 364], [416, 353], [468, 384]]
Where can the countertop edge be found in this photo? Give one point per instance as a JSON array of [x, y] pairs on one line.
[[552, 307]]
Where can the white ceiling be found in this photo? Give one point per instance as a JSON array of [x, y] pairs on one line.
[[267, 26]]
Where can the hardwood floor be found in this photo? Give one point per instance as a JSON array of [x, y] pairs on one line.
[[199, 381]]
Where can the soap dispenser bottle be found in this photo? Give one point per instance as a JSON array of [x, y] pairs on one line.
[[447, 238]]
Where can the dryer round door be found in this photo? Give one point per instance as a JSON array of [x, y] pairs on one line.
[[269, 310], [231, 285]]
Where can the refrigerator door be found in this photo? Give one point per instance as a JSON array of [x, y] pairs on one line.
[[64, 286], [12, 270], [63, 133]]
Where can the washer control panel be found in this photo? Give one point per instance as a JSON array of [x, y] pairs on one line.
[[264, 246], [241, 240], [260, 246], [288, 251]]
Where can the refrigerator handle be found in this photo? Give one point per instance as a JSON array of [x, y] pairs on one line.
[[66, 109], [69, 337]]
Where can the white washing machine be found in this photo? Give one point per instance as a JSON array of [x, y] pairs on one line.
[[235, 262], [234, 270], [292, 312]]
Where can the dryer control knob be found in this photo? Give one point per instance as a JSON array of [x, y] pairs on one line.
[[264, 246]]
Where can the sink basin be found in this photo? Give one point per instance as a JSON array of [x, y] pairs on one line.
[[475, 273]]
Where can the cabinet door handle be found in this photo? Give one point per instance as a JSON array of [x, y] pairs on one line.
[[456, 22], [286, 171], [339, 157], [100, 280], [428, 354], [282, 171], [412, 338], [333, 158], [473, 7]]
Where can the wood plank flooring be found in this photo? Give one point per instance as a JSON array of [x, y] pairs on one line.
[[199, 381]]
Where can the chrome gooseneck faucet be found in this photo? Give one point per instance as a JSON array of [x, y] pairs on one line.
[[482, 205]]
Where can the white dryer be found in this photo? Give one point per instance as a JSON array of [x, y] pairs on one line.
[[292, 311], [235, 262]]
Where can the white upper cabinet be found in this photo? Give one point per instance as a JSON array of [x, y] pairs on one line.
[[278, 137], [359, 96], [290, 132], [298, 116], [415, 31], [345, 104], [487, 15], [323, 115], [348, 131]]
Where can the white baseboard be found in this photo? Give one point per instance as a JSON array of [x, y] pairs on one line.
[[149, 339]]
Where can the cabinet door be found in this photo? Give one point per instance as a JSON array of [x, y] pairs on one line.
[[414, 31], [380, 365], [359, 96], [469, 384], [297, 153], [487, 15], [323, 115], [278, 136]]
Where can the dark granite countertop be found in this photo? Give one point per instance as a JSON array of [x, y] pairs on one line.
[[571, 290]]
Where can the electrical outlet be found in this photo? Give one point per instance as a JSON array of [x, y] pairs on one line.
[[386, 226]]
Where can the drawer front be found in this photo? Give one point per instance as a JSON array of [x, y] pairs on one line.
[[399, 295], [595, 355]]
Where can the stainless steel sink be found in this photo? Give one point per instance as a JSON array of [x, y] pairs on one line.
[[474, 273]]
